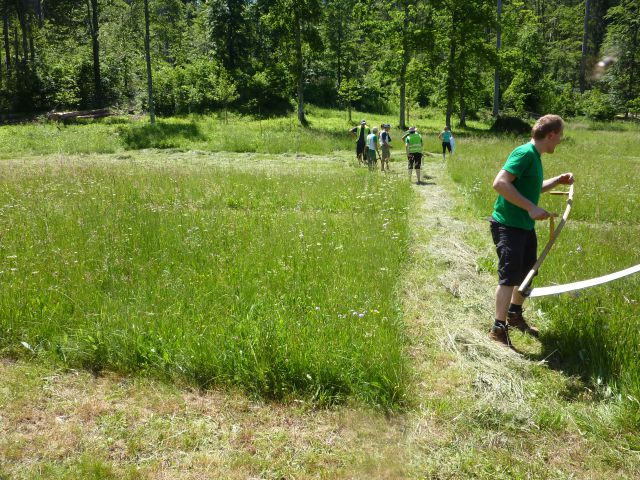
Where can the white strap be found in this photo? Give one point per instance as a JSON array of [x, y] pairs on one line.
[[569, 287]]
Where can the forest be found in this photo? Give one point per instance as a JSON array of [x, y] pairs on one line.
[[468, 58]]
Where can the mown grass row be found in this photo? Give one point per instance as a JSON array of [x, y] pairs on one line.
[[595, 333], [282, 282]]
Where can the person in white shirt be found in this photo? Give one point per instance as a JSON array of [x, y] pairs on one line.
[[372, 148]]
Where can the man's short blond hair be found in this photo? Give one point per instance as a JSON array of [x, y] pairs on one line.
[[546, 125]]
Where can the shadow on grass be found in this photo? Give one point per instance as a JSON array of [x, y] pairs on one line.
[[587, 375], [160, 135]]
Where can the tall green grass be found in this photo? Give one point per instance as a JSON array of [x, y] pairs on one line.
[[279, 279], [596, 332], [328, 132]]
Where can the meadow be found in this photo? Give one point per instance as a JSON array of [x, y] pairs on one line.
[[328, 133], [170, 308], [223, 270], [214, 267], [594, 333]]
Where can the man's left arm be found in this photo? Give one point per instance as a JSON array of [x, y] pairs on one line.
[[564, 179]]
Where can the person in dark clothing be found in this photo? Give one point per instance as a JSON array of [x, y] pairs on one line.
[[361, 131]]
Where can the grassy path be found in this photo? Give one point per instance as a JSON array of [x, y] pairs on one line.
[[477, 411]]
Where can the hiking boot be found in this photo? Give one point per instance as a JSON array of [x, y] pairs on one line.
[[516, 320], [500, 333]]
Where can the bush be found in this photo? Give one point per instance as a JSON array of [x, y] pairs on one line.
[[597, 105], [557, 98], [511, 125], [515, 96]]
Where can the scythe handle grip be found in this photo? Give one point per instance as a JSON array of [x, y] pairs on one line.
[[524, 286]]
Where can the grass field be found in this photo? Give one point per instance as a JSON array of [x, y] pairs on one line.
[[596, 332], [158, 301], [222, 270], [328, 133]]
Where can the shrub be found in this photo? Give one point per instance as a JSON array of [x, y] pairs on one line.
[[516, 94], [598, 105], [511, 125]]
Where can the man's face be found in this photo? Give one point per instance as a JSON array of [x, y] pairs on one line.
[[553, 140]]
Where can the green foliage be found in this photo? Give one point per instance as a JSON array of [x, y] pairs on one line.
[[193, 88], [441, 54], [513, 125], [634, 106], [516, 95], [598, 105], [350, 91], [622, 40]]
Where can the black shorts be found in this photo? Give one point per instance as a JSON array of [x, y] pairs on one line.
[[517, 251], [415, 160], [446, 146], [359, 148]]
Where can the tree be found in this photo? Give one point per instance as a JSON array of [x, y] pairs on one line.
[[147, 51], [225, 91], [496, 77], [341, 35], [94, 29], [468, 50], [229, 31], [623, 39], [585, 36], [349, 92], [293, 21]]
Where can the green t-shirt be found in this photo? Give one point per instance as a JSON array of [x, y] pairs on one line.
[[524, 162]]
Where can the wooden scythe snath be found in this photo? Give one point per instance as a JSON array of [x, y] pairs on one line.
[[525, 289]]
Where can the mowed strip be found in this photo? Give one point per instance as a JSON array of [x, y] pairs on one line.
[[594, 333], [276, 275]]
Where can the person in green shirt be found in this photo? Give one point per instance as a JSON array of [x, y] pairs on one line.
[[413, 145], [519, 185]]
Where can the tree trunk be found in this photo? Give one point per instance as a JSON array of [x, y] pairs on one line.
[[7, 44], [39, 14], [403, 69], [462, 66], [298, 69], [32, 48], [339, 55], [23, 30], [16, 48], [147, 54], [451, 74], [95, 43], [585, 36], [632, 70], [496, 75], [463, 108]]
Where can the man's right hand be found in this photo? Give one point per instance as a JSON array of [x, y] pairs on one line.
[[538, 213]]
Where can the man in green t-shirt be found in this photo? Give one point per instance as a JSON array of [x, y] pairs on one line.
[[519, 185]]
